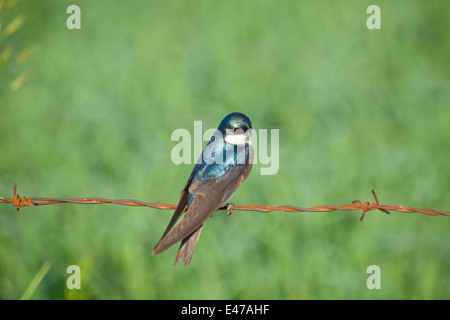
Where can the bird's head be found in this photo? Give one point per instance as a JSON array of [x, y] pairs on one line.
[[236, 128]]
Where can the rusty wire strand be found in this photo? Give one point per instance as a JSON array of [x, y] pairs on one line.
[[21, 202]]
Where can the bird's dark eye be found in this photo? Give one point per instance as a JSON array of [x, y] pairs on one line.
[[235, 129]]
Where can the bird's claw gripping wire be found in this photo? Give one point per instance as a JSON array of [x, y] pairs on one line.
[[229, 207]]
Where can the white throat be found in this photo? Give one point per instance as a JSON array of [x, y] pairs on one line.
[[237, 139]]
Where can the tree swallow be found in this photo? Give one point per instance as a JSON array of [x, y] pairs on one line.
[[224, 164]]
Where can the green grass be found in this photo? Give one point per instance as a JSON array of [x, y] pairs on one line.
[[357, 110]]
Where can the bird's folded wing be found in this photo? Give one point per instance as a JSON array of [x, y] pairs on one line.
[[210, 194]]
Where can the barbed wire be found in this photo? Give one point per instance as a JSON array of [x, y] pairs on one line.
[[21, 202]]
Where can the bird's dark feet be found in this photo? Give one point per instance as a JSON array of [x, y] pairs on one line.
[[229, 207]]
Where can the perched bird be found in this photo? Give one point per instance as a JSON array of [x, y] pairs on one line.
[[224, 164]]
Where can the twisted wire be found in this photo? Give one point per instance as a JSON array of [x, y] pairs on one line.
[[21, 202]]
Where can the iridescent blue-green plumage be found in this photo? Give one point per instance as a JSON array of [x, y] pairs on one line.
[[221, 168]]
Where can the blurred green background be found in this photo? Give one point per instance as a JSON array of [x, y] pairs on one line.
[[90, 113]]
